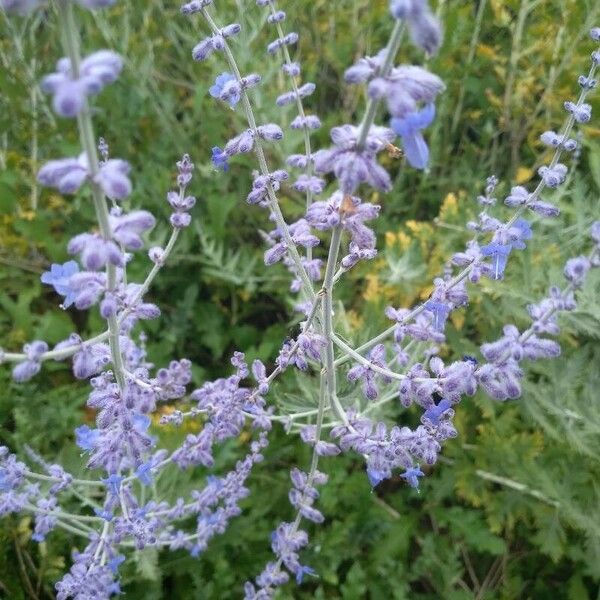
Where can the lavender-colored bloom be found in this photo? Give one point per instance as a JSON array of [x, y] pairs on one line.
[[352, 166], [112, 178], [405, 88], [292, 69], [144, 473], [308, 183], [87, 579], [270, 131], [59, 277], [89, 359], [376, 477], [355, 254], [127, 229], [88, 287], [44, 522], [31, 366], [306, 122], [553, 176], [67, 175], [424, 27], [440, 312], [519, 196], [219, 159], [86, 438], [226, 88], [435, 412], [412, 475], [240, 144], [582, 113], [69, 92], [302, 92], [499, 254], [95, 252], [576, 269], [367, 375], [409, 129]]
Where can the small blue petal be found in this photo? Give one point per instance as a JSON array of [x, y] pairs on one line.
[[86, 438], [219, 159], [144, 473], [375, 477], [416, 150], [302, 571]]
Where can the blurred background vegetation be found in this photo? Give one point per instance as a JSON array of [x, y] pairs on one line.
[[513, 508]]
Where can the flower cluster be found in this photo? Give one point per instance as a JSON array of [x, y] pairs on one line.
[[401, 364]]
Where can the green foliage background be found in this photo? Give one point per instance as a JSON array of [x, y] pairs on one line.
[[513, 508]]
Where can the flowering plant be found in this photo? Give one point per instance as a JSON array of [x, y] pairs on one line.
[[402, 363]]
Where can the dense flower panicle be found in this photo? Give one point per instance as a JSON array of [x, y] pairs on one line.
[[121, 443], [70, 90]]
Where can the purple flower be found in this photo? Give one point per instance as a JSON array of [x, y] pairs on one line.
[[576, 269], [376, 477], [405, 88], [412, 475], [553, 176], [59, 277], [95, 251], [423, 26], [226, 88], [95, 72], [409, 129], [86, 438], [352, 166], [582, 113], [499, 254], [434, 413], [113, 483], [367, 374], [112, 178], [66, 175], [25, 370], [302, 571], [128, 228], [440, 312], [144, 473]]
